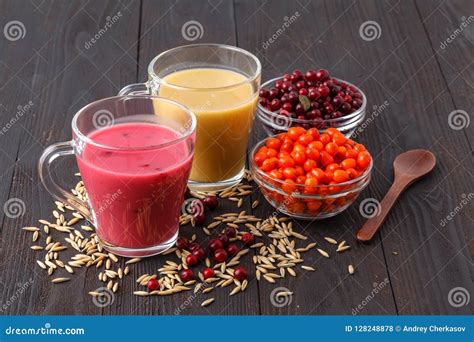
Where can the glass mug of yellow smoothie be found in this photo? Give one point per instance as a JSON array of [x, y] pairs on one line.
[[220, 84]]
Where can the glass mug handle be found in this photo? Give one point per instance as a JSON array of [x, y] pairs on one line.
[[46, 177], [136, 89]]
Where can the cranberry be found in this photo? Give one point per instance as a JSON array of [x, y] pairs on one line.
[[215, 244], [293, 97], [220, 255], [199, 219], [153, 284], [300, 84], [336, 115], [346, 108], [233, 249], [210, 202], [191, 259], [264, 93], [208, 273], [329, 108], [347, 98], [230, 232], [186, 275], [286, 77], [278, 84], [324, 91], [263, 102], [313, 114], [314, 94], [240, 273], [182, 243], [273, 93], [297, 74], [356, 103], [311, 75], [224, 239], [199, 253], [247, 239], [322, 75], [287, 106], [284, 112], [193, 245], [337, 101], [284, 98], [286, 86], [303, 91], [275, 104], [299, 109]]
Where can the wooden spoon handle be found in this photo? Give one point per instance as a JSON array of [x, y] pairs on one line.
[[372, 225]]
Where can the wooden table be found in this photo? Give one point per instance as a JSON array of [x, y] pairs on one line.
[[409, 67]]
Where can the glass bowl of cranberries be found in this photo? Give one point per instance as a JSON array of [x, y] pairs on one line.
[[310, 99], [310, 175]]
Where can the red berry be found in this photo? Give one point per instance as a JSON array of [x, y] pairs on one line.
[[230, 232], [199, 219], [191, 260], [247, 239], [224, 239], [199, 253], [220, 255], [215, 244], [240, 273], [182, 243], [311, 75], [193, 245], [208, 273], [233, 249], [186, 275], [210, 202], [153, 284]]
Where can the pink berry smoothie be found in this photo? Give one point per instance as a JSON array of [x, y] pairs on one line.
[[136, 192]]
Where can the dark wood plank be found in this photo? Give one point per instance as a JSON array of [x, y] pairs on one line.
[[329, 290], [52, 67], [161, 27], [452, 43]]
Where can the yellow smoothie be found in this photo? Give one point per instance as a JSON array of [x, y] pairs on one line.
[[224, 118]]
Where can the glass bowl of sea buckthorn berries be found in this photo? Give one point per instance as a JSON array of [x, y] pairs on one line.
[[310, 175], [310, 99]]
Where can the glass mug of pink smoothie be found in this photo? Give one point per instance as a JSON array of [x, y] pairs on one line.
[[134, 154]]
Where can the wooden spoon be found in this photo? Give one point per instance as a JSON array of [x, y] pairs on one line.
[[408, 167]]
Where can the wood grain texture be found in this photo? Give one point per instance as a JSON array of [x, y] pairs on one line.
[[404, 71]]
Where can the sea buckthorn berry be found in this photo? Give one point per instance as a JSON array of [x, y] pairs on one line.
[[363, 160], [331, 148], [289, 173], [273, 143], [295, 132], [340, 176], [348, 163]]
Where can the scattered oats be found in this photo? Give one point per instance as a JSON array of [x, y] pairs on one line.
[[323, 252], [308, 268], [41, 264], [133, 261], [330, 240], [255, 204], [36, 248], [60, 280], [395, 253], [350, 268], [30, 229], [207, 302], [141, 293], [342, 248]]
